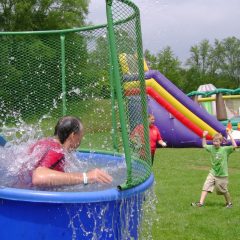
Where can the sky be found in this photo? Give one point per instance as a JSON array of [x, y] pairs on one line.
[[180, 24]]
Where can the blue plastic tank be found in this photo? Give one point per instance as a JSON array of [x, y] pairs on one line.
[[108, 214]]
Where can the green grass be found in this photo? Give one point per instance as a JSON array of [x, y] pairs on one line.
[[179, 175]]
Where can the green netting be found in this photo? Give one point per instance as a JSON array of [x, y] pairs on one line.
[[95, 73]]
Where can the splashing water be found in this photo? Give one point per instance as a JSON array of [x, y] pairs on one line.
[[16, 162], [16, 165], [14, 157]]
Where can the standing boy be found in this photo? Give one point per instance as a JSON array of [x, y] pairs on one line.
[[218, 175]]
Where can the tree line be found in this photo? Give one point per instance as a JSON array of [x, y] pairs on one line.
[[217, 63], [34, 15]]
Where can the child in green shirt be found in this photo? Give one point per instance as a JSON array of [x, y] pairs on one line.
[[218, 175]]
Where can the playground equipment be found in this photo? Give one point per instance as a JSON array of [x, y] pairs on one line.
[[48, 74], [180, 120], [224, 104]]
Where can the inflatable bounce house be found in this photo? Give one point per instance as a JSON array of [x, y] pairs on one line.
[[180, 119], [48, 74], [224, 104]]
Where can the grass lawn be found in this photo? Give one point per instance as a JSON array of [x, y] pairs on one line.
[[179, 175]]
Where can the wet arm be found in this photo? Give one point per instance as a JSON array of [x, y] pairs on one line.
[[43, 176]]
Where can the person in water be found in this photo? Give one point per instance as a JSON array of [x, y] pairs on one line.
[[49, 169]]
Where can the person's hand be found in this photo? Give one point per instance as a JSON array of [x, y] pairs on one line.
[[205, 133], [98, 175], [164, 144]]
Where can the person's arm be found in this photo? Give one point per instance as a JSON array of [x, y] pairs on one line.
[[160, 140], [204, 142], [43, 176], [231, 137]]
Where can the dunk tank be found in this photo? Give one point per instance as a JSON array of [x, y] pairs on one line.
[[49, 74]]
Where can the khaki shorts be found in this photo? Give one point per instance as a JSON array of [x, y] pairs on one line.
[[220, 183]]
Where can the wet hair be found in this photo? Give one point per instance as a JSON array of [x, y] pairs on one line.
[[218, 136], [67, 125]]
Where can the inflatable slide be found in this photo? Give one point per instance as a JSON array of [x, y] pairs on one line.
[[180, 120]]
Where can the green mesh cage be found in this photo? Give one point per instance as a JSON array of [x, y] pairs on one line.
[[95, 73]]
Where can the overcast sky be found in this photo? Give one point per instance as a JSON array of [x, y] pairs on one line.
[[180, 24]]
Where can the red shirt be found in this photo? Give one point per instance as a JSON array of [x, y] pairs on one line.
[[50, 154], [46, 153], [154, 136]]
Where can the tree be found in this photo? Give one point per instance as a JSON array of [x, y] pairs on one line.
[[151, 59], [34, 59], [167, 64], [227, 58], [29, 15], [218, 64], [98, 64], [201, 57], [202, 65]]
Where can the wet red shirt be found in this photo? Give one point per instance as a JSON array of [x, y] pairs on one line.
[[50, 154]]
